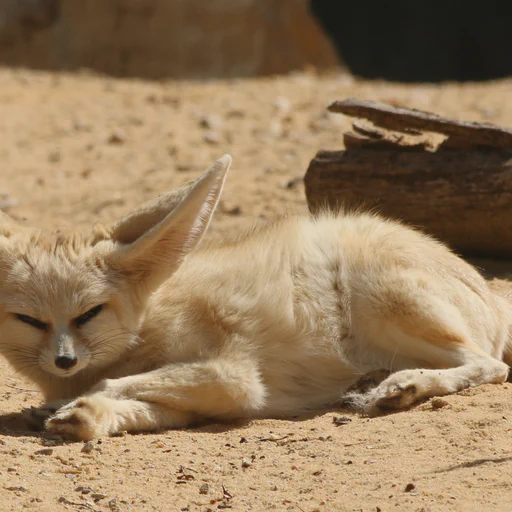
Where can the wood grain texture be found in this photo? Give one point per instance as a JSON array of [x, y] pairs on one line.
[[405, 120], [463, 198]]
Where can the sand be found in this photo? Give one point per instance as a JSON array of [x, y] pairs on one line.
[[80, 148]]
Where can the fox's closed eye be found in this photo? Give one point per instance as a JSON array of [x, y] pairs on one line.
[[34, 322], [88, 315]]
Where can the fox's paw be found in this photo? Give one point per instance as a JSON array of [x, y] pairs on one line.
[[83, 419], [399, 391]]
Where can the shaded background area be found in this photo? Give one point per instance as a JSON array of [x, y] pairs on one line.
[[421, 41], [400, 41], [163, 38]]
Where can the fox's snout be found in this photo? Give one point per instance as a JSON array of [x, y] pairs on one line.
[[66, 362], [65, 354]]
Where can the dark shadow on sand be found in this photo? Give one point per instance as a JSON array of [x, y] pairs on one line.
[[14, 424], [474, 463]]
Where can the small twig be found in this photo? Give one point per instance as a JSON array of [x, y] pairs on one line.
[[21, 389], [65, 501], [226, 493], [354, 444], [274, 440]]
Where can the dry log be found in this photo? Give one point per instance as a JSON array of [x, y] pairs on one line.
[[463, 198], [460, 192]]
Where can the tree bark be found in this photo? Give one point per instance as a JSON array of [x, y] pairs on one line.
[[407, 120], [463, 198]]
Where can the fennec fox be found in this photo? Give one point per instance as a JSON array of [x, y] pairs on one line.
[[132, 328]]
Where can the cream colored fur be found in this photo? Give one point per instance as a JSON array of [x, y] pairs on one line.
[[277, 322]]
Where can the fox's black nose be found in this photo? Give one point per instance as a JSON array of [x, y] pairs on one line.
[[65, 362]]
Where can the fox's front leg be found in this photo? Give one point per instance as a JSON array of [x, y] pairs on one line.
[[171, 397], [97, 415]]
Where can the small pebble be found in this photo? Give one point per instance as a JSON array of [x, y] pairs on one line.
[[212, 137], [341, 420], [98, 496], [204, 488], [438, 403], [117, 137], [235, 112], [88, 447], [246, 463], [113, 505], [282, 105], [292, 183], [44, 451], [236, 210], [54, 157], [80, 125], [210, 122], [83, 490]]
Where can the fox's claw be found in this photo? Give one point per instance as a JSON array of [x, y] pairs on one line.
[[35, 417]]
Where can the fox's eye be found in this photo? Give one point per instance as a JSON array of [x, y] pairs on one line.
[[88, 315], [34, 322]]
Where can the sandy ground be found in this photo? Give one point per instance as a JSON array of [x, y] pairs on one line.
[[80, 148]]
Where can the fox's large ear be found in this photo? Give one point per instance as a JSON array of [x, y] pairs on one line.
[[151, 242], [7, 225], [8, 254]]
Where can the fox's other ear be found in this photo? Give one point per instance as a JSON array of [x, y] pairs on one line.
[[151, 242], [7, 225], [9, 228]]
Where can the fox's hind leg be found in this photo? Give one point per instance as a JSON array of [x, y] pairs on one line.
[[404, 388], [430, 331]]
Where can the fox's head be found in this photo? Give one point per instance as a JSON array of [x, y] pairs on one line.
[[72, 302]]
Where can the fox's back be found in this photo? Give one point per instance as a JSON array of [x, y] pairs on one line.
[[301, 275]]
